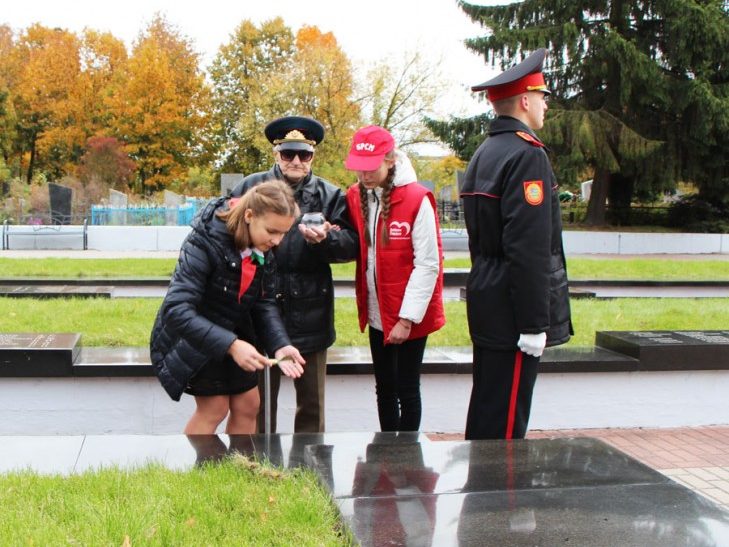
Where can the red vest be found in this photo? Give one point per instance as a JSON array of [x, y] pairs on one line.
[[394, 260]]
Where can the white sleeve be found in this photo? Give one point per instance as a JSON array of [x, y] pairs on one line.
[[427, 265]]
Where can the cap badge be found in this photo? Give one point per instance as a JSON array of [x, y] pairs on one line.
[[294, 136], [533, 192]]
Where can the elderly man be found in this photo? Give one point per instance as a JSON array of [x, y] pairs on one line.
[[304, 287], [517, 295]]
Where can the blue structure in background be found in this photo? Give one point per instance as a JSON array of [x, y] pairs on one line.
[[181, 215]]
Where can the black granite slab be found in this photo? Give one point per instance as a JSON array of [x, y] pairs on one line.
[[478, 466], [670, 350], [573, 292], [408, 491], [652, 515], [134, 361], [55, 291], [33, 354]]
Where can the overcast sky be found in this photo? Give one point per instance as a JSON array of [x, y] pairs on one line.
[[366, 29]]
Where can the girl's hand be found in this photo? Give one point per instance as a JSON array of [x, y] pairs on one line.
[[246, 356], [290, 361], [400, 332]]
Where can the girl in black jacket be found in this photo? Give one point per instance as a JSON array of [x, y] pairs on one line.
[[219, 314]]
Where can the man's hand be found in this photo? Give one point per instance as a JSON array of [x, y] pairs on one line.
[[532, 344], [316, 234], [290, 361]]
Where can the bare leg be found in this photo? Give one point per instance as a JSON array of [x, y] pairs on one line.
[[209, 413], [243, 412]]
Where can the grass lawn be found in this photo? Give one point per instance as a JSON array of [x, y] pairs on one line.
[[236, 502], [579, 268], [128, 322]]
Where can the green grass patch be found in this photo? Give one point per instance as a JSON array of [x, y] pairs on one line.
[[87, 267], [128, 322], [236, 502], [656, 269], [649, 269]]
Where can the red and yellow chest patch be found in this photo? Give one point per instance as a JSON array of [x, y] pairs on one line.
[[533, 192]]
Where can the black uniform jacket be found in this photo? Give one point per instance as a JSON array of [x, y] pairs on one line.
[[518, 280], [200, 316], [304, 287]]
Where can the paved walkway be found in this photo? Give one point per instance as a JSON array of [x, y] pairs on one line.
[[697, 457]]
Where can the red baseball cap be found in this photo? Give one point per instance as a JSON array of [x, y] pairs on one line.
[[369, 146]]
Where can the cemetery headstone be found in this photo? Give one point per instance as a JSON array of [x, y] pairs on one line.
[[429, 184], [60, 198], [32, 354], [118, 202], [172, 202], [585, 190], [228, 181]]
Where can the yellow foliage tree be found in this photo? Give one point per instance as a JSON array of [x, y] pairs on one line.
[[46, 97], [158, 105]]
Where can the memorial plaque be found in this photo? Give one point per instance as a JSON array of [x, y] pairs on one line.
[[32, 354], [670, 350]]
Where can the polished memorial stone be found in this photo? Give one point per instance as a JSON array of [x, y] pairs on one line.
[[402, 489], [670, 350], [32, 354], [55, 291]]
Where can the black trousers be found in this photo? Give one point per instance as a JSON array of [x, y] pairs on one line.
[[397, 381], [501, 398]]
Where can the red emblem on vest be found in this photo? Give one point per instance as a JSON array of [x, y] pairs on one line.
[[531, 140], [533, 192]]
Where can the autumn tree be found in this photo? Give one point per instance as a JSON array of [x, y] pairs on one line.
[[8, 121], [440, 170], [102, 56], [105, 161], [241, 83], [640, 95], [46, 99], [319, 84], [158, 105], [399, 92]]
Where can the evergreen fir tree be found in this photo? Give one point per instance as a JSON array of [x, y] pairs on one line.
[[640, 89]]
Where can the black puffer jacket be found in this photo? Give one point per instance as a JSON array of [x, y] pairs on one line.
[[518, 279], [200, 316], [304, 287]]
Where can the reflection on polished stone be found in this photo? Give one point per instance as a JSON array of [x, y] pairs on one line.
[[405, 490], [621, 515]]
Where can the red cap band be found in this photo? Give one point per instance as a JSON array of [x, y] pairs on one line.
[[530, 82]]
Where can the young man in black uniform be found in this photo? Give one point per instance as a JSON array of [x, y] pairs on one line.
[[517, 295], [304, 286]]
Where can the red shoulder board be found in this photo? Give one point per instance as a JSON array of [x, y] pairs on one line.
[[531, 140]]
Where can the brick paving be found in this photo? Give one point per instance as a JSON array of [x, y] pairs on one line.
[[697, 457]]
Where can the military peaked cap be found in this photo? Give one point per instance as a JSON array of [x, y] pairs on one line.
[[526, 76], [294, 133]]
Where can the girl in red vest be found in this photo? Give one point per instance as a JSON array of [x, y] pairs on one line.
[[399, 277]]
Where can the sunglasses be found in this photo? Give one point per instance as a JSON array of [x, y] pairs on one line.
[[289, 155]]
